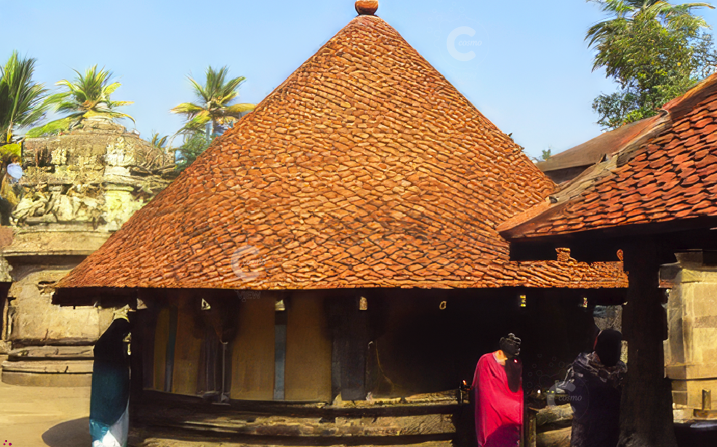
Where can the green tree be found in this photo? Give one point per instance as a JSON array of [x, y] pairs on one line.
[[547, 153], [21, 99], [85, 97], [544, 156], [214, 112], [193, 146], [654, 50]]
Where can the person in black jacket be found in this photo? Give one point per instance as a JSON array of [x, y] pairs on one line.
[[109, 400], [594, 384]]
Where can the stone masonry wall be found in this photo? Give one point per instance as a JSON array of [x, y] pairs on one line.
[[691, 350]]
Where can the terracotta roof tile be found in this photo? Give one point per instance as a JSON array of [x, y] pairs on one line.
[[592, 151], [676, 171], [365, 168]]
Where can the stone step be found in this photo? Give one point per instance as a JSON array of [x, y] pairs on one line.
[[170, 442], [52, 352], [140, 438], [48, 366], [163, 416], [46, 371]]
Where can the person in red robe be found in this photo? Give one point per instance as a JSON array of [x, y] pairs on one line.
[[499, 396]]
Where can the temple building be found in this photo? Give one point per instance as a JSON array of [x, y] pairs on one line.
[[76, 189], [330, 267]]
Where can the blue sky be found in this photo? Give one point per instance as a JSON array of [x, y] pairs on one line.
[[531, 74]]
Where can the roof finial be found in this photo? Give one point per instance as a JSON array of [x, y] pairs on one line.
[[366, 7]]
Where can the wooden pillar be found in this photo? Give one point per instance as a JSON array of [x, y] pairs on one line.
[[646, 409], [350, 336]]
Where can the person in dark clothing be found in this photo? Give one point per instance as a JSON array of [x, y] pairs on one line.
[[109, 422], [594, 385]]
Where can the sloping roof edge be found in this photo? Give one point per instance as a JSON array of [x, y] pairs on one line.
[[526, 225], [520, 225], [593, 151]]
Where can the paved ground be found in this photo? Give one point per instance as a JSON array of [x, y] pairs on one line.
[[43, 416]]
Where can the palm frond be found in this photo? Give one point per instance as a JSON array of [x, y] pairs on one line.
[[157, 141], [239, 108], [187, 108], [21, 99], [51, 128]]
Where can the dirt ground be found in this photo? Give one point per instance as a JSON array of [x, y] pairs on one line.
[[44, 416]]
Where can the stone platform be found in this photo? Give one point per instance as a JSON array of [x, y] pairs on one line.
[[62, 366], [161, 419]]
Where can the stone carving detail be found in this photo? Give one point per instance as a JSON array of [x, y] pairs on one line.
[[99, 174], [59, 156], [118, 154], [78, 203]]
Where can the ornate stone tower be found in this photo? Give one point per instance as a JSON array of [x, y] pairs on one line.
[[78, 188]]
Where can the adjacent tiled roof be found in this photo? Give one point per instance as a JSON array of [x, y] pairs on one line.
[[593, 151], [365, 168], [671, 176]]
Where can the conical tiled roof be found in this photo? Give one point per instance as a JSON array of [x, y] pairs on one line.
[[365, 168]]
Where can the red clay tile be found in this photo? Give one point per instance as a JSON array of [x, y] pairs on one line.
[[680, 175]]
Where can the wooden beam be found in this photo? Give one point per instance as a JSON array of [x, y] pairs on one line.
[[675, 235], [646, 409]]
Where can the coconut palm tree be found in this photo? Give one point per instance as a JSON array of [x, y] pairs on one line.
[[86, 97], [21, 99], [213, 112]]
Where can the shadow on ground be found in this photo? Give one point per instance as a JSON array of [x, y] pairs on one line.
[[72, 433]]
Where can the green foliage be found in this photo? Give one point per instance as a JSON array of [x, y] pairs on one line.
[[21, 99], [157, 141], [51, 128], [213, 113], [8, 150], [193, 146], [654, 50], [85, 97], [546, 154]]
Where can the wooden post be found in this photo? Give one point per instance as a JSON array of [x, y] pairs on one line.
[[646, 409], [350, 344]]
